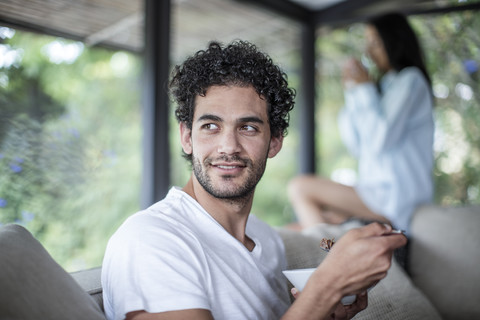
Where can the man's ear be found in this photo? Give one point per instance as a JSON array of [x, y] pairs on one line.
[[186, 138], [275, 146]]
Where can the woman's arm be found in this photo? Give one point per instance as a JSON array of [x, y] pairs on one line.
[[383, 120]]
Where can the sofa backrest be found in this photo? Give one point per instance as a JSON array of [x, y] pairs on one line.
[[444, 259], [33, 286]]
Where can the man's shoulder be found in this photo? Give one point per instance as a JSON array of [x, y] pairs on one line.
[[167, 217], [170, 209], [144, 235]]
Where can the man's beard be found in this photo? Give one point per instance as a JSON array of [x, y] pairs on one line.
[[236, 193]]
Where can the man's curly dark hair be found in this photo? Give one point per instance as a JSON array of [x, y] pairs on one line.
[[239, 63]]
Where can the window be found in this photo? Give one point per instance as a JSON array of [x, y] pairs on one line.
[[451, 46], [70, 128]]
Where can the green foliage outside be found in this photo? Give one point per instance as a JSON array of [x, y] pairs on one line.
[[69, 143], [70, 132]]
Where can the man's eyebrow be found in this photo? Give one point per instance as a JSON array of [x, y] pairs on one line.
[[209, 117], [250, 119]]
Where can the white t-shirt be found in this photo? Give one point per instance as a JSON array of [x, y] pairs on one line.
[[391, 134], [175, 256]]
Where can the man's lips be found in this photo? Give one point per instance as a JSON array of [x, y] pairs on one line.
[[228, 166]]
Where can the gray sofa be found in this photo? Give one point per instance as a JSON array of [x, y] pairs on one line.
[[444, 280]]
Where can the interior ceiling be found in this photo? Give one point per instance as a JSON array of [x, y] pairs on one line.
[[119, 23]]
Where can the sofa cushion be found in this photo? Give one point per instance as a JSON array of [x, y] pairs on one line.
[[445, 258], [394, 297], [34, 286]]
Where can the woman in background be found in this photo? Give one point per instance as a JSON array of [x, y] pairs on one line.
[[388, 126]]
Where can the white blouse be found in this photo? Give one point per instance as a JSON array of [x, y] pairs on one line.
[[391, 135]]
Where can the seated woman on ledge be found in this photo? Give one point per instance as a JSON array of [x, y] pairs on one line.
[[388, 127]]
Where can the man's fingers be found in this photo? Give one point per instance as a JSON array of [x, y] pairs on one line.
[[370, 230], [362, 300], [378, 229], [394, 240], [295, 292]]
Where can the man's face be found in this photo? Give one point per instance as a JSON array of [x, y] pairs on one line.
[[229, 141]]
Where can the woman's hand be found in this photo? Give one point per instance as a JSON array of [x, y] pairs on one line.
[[353, 72]]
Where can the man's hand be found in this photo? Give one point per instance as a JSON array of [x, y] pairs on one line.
[[344, 312], [356, 262], [194, 314], [360, 258]]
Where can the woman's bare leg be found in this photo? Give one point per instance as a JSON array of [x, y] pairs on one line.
[[316, 200]]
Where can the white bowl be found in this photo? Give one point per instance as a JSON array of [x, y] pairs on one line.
[[299, 278]]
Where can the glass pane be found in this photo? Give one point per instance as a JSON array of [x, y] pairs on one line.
[[451, 45], [70, 135]]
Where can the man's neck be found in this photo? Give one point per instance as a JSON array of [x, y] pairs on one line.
[[231, 215]]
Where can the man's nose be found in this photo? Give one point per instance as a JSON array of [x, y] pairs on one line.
[[228, 143]]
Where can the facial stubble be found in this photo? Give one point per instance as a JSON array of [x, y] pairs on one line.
[[239, 193]]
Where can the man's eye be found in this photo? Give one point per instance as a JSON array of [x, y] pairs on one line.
[[210, 126], [249, 128]]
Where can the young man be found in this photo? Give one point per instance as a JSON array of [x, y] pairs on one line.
[[199, 254]]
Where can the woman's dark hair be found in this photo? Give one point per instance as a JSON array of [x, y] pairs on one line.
[[400, 42], [240, 63]]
